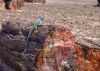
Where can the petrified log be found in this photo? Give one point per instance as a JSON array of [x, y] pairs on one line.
[[16, 61], [12, 44], [87, 59], [13, 4], [14, 41], [59, 50], [16, 44], [60, 53], [15, 28]]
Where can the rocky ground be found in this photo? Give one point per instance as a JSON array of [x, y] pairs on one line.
[[82, 20], [72, 1]]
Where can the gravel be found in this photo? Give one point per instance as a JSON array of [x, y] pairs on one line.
[[82, 20]]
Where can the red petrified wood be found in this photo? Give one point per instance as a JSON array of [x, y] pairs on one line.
[[60, 53]]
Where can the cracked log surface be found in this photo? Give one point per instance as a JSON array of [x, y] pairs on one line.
[[12, 45]]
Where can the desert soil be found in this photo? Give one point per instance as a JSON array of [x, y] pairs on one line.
[[72, 1], [82, 19]]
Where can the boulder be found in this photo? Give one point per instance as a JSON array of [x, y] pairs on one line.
[[13, 4]]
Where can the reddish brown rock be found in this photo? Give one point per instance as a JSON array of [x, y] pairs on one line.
[[60, 53], [87, 59], [57, 51]]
